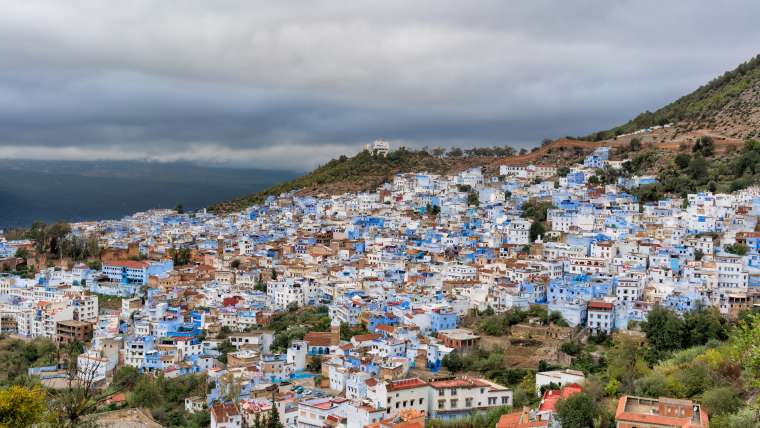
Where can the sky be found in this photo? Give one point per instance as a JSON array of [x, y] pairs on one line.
[[292, 84]]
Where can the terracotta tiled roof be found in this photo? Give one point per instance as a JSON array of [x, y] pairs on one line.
[[519, 420], [224, 412], [414, 382], [318, 338], [367, 337], [600, 306]]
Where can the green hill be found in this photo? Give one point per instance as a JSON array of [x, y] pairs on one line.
[[362, 172], [729, 104], [365, 171]]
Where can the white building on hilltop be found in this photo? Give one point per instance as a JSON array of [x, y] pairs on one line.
[[379, 147]]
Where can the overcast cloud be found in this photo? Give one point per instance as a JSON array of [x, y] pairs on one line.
[[290, 84]]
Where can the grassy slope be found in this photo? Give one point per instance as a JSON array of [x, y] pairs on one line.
[[365, 172], [699, 105], [361, 172]]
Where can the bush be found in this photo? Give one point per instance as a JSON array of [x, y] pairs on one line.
[[571, 348], [738, 249], [721, 401]]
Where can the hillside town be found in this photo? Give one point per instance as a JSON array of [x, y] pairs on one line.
[[399, 280]]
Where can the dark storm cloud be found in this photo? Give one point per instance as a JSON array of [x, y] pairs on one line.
[[291, 84]]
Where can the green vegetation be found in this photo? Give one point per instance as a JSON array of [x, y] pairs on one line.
[[165, 397], [16, 356], [295, 322], [738, 249], [668, 332], [698, 105], [56, 239], [536, 211], [21, 406], [432, 210], [366, 171], [690, 173], [180, 256], [578, 410], [698, 357], [477, 420], [472, 199], [492, 324], [347, 331], [109, 302]]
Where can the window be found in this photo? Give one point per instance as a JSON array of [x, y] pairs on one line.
[[453, 391], [420, 400], [440, 393], [505, 400], [441, 404], [468, 402], [454, 402]]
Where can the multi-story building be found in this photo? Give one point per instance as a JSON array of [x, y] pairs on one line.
[[454, 398], [73, 331]]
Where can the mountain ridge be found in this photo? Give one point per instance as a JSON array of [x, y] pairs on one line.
[[729, 105]]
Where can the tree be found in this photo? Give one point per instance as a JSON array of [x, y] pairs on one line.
[[181, 256], [577, 411], [146, 393], [180, 209], [274, 417], [705, 146], [455, 152], [738, 249], [260, 285], [744, 418], [20, 406], [536, 210], [126, 377], [664, 329], [634, 145], [235, 264], [625, 362], [453, 362], [698, 167], [556, 318], [81, 395], [22, 253], [702, 325], [682, 160], [698, 254], [472, 199], [536, 229]]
